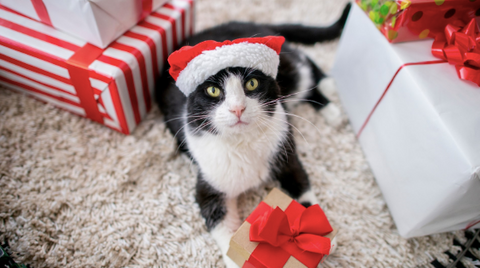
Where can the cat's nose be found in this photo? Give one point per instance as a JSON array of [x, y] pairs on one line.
[[238, 110]]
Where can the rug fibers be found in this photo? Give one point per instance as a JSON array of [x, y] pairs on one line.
[[76, 194]]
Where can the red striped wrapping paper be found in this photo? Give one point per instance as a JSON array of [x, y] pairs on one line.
[[98, 22], [113, 86]]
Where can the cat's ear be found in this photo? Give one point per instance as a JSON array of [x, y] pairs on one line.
[[192, 65]]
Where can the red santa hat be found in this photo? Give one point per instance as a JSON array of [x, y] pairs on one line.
[[191, 66]]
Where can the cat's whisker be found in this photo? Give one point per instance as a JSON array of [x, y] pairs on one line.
[[272, 102], [268, 124], [201, 127], [182, 117], [186, 124], [303, 100], [249, 70], [194, 131], [259, 127], [297, 116], [286, 96], [286, 121], [290, 124]]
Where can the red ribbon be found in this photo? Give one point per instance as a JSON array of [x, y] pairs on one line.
[[147, 8], [307, 232], [470, 225], [388, 87], [41, 11], [77, 66], [459, 47], [297, 232]]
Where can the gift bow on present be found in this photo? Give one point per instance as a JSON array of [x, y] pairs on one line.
[[306, 232], [459, 47]]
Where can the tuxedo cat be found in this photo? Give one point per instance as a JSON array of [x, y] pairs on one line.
[[231, 119]]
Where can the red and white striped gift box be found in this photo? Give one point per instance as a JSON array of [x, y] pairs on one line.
[[113, 86]]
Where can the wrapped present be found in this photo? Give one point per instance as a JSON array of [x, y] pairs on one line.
[[409, 20], [418, 124], [112, 86], [280, 232], [98, 22]]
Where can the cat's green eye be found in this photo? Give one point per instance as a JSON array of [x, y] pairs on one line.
[[213, 91], [252, 84]]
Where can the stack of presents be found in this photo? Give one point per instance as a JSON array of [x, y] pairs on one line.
[[408, 75], [91, 58]]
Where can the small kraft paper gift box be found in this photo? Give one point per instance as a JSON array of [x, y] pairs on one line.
[[417, 118], [112, 86], [281, 232], [409, 20], [98, 22]]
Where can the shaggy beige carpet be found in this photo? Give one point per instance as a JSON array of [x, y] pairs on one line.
[[76, 194]]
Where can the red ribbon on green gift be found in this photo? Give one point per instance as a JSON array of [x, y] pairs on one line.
[[459, 47], [297, 232]]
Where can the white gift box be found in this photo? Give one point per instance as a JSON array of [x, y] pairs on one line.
[[98, 22], [112, 86], [422, 139]]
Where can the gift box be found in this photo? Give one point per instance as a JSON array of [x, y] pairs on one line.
[[409, 20], [418, 125], [112, 86], [280, 232], [98, 22]]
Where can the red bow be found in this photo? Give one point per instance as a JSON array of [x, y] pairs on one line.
[[307, 232], [459, 46]]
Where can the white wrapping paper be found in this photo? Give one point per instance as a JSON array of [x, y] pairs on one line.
[[423, 139], [112, 86], [98, 22]]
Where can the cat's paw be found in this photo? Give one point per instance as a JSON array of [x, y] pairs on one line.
[[332, 114], [228, 262], [222, 233], [309, 198], [306, 204], [328, 87]]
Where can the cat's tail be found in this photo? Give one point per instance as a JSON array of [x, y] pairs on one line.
[[310, 35]]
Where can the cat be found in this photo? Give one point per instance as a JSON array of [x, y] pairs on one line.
[[234, 124]]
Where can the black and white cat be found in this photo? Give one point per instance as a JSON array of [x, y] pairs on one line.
[[234, 125]]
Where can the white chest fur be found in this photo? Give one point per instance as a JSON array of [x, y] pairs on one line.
[[233, 164]]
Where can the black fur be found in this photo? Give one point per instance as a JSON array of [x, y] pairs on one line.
[[290, 172], [211, 202], [311, 35], [288, 168], [306, 204], [171, 102], [315, 98]]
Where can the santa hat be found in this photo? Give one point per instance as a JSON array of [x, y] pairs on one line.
[[191, 66]]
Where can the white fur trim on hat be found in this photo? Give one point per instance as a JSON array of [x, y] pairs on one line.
[[210, 62]]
